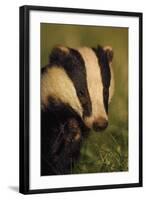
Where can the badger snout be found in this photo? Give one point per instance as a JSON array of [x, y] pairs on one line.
[[100, 124]]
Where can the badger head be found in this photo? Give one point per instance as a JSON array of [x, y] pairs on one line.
[[83, 79]]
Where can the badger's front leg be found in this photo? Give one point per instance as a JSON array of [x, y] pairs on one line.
[[73, 138], [66, 148]]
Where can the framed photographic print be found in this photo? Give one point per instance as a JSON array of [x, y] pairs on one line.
[[80, 99]]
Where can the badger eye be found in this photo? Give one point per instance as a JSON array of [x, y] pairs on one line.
[[81, 93], [106, 93]]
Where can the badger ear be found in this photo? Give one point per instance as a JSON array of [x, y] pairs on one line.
[[58, 55], [109, 53]]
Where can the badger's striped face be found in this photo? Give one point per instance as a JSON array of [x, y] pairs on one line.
[[83, 79]]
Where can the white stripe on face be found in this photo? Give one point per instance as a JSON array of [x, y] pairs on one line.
[[56, 83], [112, 84], [95, 86]]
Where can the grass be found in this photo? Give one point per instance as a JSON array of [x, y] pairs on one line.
[[104, 152]]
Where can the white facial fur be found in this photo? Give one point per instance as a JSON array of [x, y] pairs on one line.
[[112, 84], [95, 86]]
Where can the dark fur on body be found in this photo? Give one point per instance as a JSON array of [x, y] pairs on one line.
[[62, 134]]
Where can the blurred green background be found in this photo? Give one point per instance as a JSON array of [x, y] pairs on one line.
[[106, 151]]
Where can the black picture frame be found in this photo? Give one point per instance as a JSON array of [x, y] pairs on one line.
[[25, 105]]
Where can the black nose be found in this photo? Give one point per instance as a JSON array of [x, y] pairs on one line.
[[100, 124]]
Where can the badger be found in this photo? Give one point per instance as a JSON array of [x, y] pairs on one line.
[[76, 88]]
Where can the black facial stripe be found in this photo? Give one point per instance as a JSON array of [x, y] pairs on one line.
[[105, 98], [105, 73], [74, 66]]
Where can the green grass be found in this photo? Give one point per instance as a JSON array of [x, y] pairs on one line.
[[104, 152]]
